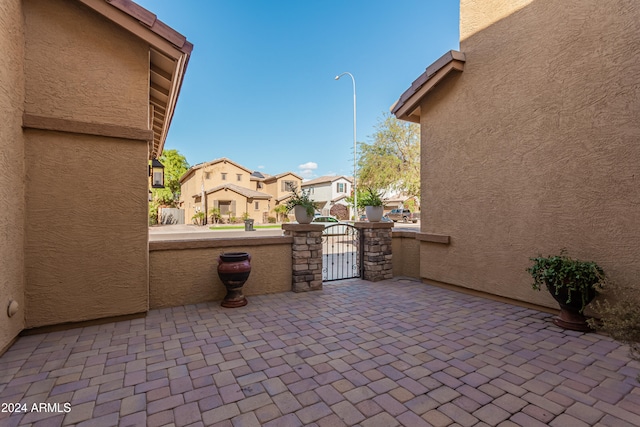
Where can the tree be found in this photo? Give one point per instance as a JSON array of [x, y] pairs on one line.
[[392, 160], [281, 211], [175, 165]]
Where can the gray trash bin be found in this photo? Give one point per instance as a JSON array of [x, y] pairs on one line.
[[248, 225]]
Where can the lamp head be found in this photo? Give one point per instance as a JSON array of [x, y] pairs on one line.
[[337, 77]]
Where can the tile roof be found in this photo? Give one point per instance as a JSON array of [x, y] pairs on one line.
[[407, 107], [243, 191]]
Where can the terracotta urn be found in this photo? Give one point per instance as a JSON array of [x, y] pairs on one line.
[[234, 269]]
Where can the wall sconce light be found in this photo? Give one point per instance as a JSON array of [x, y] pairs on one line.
[[156, 172]]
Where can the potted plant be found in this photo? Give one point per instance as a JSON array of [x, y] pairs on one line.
[[571, 282], [302, 206], [373, 205]]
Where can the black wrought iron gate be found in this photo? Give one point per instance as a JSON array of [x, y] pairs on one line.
[[340, 252]]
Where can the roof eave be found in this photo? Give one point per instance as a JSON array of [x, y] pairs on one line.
[[408, 106]]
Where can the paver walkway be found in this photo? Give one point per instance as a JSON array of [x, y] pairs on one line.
[[396, 352]]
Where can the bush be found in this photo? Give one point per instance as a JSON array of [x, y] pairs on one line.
[[271, 220], [620, 317], [198, 218]]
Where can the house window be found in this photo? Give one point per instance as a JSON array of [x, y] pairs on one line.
[[256, 206], [341, 187], [239, 176], [288, 185], [225, 207], [259, 185], [207, 175], [224, 176]]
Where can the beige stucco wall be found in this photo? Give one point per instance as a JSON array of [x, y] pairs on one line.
[[274, 186], [534, 147], [81, 66], [185, 272], [406, 254], [86, 253], [86, 246], [11, 170]]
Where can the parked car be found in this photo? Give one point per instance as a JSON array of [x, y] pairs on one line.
[[404, 215], [327, 221]]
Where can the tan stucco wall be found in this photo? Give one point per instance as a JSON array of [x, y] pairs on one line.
[[86, 253], [406, 254], [81, 66], [186, 272], [534, 147], [11, 170], [86, 246]]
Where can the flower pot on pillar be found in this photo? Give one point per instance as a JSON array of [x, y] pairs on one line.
[[374, 213]]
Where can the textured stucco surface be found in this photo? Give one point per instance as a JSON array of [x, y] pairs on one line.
[[80, 66], [534, 147], [86, 250], [87, 232], [11, 169], [406, 254], [190, 276]]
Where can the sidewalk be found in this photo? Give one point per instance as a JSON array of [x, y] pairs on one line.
[[391, 353]]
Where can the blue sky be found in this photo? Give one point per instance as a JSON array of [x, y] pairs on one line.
[[260, 88]]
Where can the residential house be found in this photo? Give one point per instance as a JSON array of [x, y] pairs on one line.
[[89, 88], [330, 193], [530, 143], [233, 189], [401, 201]]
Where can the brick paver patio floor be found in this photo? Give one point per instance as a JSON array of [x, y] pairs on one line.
[[397, 352]]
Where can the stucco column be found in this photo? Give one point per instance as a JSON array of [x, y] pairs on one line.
[[307, 256], [376, 254]]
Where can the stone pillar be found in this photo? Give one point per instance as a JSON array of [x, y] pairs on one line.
[[376, 250], [307, 256]]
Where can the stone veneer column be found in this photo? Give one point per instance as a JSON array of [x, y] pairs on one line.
[[376, 250], [307, 256]]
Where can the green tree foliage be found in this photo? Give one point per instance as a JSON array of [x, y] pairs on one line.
[[175, 165], [392, 159]]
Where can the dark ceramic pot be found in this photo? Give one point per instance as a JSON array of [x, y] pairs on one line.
[[571, 316], [233, 270]]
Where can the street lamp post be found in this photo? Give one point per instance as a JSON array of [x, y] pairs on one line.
[[355, 187]]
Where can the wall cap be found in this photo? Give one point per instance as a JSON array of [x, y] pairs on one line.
[[368, 225], [167, 245], [433, 238], [303, 227]]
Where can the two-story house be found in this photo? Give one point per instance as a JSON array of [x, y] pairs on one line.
[[330, 193], [233, 189]]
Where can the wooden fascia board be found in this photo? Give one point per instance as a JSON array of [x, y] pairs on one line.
[[411, 106]]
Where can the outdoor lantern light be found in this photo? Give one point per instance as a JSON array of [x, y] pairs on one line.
[[156, 171]]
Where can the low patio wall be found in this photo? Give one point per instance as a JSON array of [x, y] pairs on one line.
[[406, 254], [185, 272]]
